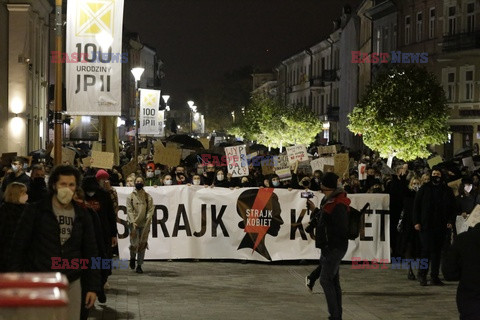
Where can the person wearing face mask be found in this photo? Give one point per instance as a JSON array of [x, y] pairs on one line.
[[140, 211], [209, 174], [38, 187], [11, 210], [467, 197], [100, 201], [196, 180], [408, 241], [221, 181], [275, 182], [434, 213], [151, 180], [16, 174], [167, 180], [57, 227]]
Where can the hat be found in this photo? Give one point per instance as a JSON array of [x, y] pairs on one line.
[[151, 166], [102, 175], [330, 180]]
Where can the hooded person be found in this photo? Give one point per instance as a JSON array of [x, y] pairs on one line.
[[331, 236]]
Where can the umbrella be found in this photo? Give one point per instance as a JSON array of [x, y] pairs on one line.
[[186, 141], [258, 147], [464, 152]]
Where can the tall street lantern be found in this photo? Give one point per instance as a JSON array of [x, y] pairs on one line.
[[191, 105], [137, 74]]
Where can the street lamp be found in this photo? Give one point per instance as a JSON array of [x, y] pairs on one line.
[[165, 98], [192, 107], [137, 74], [233, 116]]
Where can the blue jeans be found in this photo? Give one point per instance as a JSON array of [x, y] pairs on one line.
[[330, 280]]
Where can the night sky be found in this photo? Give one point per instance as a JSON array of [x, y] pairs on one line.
[[200, 40]]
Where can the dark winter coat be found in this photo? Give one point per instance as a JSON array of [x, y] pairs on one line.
[[37, 190], [434, 207], [37, 240], [462, 262], [331, 221], [22, 178], [10, 215]]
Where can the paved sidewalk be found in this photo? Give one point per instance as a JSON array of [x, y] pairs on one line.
[[231, 290]]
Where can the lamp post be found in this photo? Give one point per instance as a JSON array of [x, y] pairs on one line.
[[191, 104], [137, 74]]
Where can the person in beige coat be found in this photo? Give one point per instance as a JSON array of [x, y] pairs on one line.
[[140, 210]]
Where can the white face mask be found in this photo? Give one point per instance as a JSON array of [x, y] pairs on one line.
[[220, 177], [150, 174], [168, 182], [196, 182], [64, 195], [275, 183], [15, 168], [468, 188]]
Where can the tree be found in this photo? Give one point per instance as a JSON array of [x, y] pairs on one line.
[[402, 113], [270, 123]]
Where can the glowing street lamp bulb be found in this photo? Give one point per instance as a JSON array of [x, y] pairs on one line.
[[190, 103], [165, 98], [137, 73]]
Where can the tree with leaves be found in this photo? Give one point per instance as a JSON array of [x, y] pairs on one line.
[[267, 121], [402, 113]]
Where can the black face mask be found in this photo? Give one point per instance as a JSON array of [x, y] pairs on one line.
[[139, 186], [436, 179], [39, 180]]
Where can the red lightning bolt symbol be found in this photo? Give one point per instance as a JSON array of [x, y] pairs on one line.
[[263, 196]]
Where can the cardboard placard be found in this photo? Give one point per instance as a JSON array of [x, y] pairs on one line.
[[297, 153], [362, 171], [455, 185], [102, 160], [267, 167], [282, 161], [468, 162], [318, 164], [434, 161], [68, 156], [87, 162], [474, 217], [129, 168], [205, 143], [341, 162], [284, 174], [237, 163], [328, 168], [327, 149], [169, 156]]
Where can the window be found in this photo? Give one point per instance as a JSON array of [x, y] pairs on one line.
[[451, 86], [407, 29], [431, 24], [419, 28], [452, 21], [469, 85], [470, 17]]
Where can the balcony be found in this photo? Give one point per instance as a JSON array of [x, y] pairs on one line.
[[461, 41], [322, 81]]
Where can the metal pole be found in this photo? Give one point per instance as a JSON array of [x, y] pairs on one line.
[[191, 122], [137, 119], [58, 83]]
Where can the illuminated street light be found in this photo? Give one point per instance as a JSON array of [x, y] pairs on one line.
[[137, 74]]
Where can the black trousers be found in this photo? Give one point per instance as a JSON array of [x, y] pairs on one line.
[[432, 242]]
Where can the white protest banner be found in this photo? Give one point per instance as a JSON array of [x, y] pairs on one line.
[[297, 153], [461, 224], [474, 217], [318, 164], [237, 163], [161, 123], [193, 222], [94, 57], [149, 102], [362, 171]]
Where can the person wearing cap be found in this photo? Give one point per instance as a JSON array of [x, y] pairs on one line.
[[330, 222], [151, 180]]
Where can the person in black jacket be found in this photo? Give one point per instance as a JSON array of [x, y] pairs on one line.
[[462, 262], [433, 212], [11, 210], [331, 227], [16, 174], [38, 187], [57, 235], [99, 200]]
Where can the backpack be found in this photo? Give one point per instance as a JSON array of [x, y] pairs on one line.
[[355, 221]]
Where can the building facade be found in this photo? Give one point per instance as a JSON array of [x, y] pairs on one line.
[[24, 61]]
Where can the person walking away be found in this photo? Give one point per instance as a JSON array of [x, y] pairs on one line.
[[140, 210], [331, 227], [462, 262], [433, 213], [11, 211]]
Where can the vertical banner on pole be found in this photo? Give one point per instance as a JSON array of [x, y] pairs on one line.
[[94, 57], [149, 103], [161, 122]]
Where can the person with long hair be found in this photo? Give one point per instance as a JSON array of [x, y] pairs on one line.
[[11, 210]]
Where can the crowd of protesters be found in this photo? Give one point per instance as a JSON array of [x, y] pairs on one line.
[[423, 209]]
